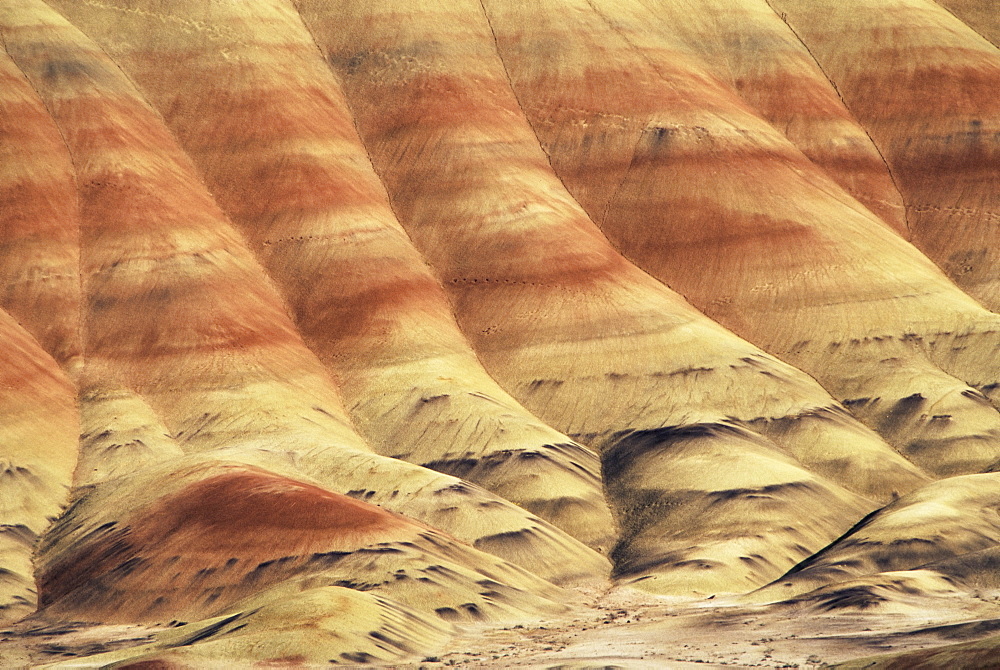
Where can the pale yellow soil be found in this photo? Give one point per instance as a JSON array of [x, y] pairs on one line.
[[629, 629]]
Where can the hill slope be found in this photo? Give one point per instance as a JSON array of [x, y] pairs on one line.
[[333, 328]]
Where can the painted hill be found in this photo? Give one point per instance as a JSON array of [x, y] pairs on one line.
[[333, 328]]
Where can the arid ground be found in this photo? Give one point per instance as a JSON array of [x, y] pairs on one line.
[[500, 333]]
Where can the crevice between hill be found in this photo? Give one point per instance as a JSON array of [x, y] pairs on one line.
[[517, 99], [784, 19], [371, 163]]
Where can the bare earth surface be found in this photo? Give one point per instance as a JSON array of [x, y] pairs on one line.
[[628, 628], [499, 333]]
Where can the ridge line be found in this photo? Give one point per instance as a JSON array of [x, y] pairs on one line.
[[783, 16], [185, 160], [524, 114], [965, 23], [431, 270], [81, 327]]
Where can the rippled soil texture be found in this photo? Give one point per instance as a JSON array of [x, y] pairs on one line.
[[504, 333]]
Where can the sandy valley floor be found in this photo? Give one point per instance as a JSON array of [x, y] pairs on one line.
[[626, 628]]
